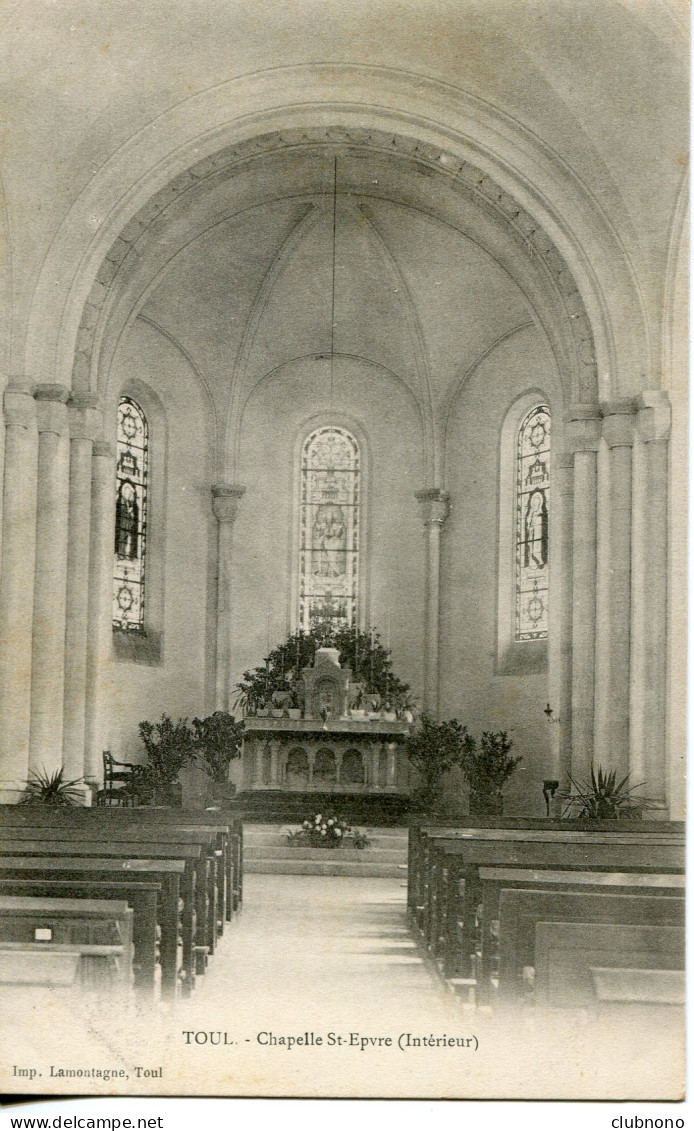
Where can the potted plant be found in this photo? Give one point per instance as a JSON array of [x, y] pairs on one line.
[[217, 739], [362, 652], [434, 749], [51, 790], [603, 798], [169, 747], [486, 770]]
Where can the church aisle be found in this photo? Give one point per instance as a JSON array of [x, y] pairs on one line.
[[341, 943]]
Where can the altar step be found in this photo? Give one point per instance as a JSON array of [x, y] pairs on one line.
[[267, 850]]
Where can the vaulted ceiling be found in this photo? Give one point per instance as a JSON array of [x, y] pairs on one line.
[[599, 83]]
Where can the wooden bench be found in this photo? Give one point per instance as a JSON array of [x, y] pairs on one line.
[[90, 965], [630, 996], [100, 930], [167, 874], [520, 912], [418, 835], [451, 887], [191, 855], [208, 867], [493, 880], [229, 832], [141, 897], [565, 954]]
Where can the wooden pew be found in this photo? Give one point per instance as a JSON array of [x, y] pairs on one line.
[[565, 953], [168, 874], [229, 831], [493, 880], [209, 876], [631, 996], [191, 854], [89, 964], [142, 897], [418, 834], [453, 862], [520, 911], [102, 930]]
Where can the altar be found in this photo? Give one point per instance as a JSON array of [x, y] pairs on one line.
[[332, 746]]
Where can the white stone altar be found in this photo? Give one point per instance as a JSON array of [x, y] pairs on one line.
[[333, 747]]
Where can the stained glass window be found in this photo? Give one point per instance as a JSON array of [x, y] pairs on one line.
[[329, 529], [131, 518], [532, 525]]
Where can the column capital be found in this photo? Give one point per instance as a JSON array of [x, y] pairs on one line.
[[435, 503], [85, 416], [103, 450], [582, 431], [225, 501], [654, 416], [19, 404], [619, 419], [51, 408], [47, 391]]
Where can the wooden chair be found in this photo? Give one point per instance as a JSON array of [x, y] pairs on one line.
[[120, 781]]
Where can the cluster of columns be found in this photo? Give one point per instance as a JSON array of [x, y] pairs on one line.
[[54, 583], [613, 482]]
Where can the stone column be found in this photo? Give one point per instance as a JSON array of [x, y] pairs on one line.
[[618, 431], [225, 503], [100, 605], [435, 510], [17, 586], [375, 766], [274, 765], [561, 735], [651, 602], [257, 763], [583, 425], [84, 420], [391, 766], [50, 581]]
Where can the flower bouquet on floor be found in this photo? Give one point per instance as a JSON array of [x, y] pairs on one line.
[[326, 830]]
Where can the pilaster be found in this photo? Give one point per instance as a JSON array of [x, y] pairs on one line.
[[50, 582], [225, 504], [17, 585], [583, 435], [99, 607], [85, 424], [618, 431], [650, 597], [435, 508]]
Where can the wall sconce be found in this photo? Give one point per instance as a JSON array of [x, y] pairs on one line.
[[549, 788], [549, 713]]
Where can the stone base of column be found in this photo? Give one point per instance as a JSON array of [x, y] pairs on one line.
[[85, 793], [11, 791]]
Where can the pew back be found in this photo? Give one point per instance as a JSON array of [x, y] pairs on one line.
[[565, 953]]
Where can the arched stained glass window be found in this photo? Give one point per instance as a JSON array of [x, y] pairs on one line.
[[131, 517], [329, 529], [532, 525]]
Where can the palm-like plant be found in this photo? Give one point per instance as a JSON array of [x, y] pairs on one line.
[[45, 788], [604, 798]]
